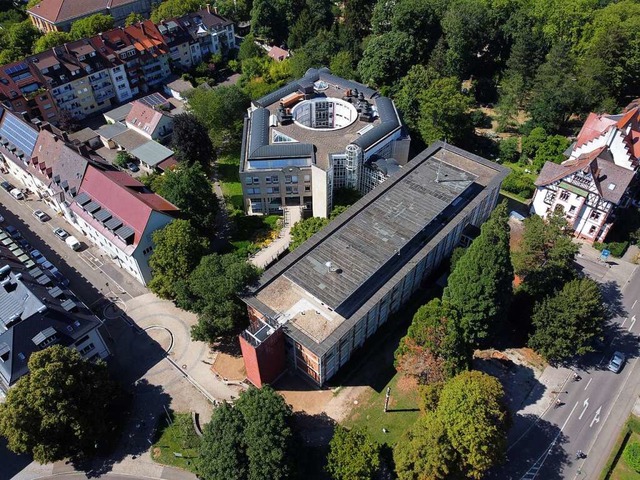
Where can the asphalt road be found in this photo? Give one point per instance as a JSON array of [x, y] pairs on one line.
[[592, 409]]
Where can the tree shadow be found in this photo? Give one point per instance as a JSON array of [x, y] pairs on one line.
[[612, 296], [312, 434]]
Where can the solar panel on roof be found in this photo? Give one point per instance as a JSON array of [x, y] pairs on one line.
[[125, 232], [102, 215], [43, 280], [35, 272], [82, 198], [16, 68], [69, 305], [91, 207], [19, 133], [55, 292], [113, 223], [153, 100]]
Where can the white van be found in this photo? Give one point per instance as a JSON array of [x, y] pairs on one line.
[[17, 194], [73, 243]]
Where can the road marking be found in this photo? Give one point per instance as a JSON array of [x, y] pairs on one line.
[[567, 420], [625, 321], [586, 405], [633, 321], [634, 304], [588, 383], [596, 417]]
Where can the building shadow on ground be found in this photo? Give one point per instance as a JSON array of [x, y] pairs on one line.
[[11, 463]]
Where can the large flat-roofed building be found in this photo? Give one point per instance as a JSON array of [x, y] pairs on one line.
[[313, 136], [314, 308]]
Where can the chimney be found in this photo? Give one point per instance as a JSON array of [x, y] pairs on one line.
[[142, 28], [208, 7], [46, 126], [215, 9]]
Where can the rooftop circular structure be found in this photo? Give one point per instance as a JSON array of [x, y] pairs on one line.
[[324, 113]]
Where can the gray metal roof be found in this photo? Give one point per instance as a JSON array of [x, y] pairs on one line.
[[259, 147], [113, 223], [82, 198], [102, 215], [312, 75], [151, 153], [125, 232], [389, 122], [112, 130], [120, 113], [43, 335], [363, 248], [347, 84]]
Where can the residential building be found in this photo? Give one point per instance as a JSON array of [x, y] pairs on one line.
[[278, 54], [35, 313], [113, 210], [150, 121], [119, 214], [313, 309], [59, 15], [316, 135], [598, 177]]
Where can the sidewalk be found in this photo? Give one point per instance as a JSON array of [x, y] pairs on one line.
[[270, 254]]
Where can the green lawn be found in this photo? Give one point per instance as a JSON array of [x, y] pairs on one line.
[[623, 471], [230, 179], [402, 414], [617, 468], [180, 438]]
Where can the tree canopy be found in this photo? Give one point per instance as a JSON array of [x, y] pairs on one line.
[[434, 348], [63, 408], [352, 455], [50, 40], [567, 323], [463, 437], [213, 290], [250, 441], [173, 8], [480, 286], [191, 141], [90, 26], [177, 249], [189, 189]]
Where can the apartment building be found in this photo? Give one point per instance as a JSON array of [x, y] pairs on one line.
[[97, 73], [312, 310], [35, 313], [59, 15], [597, 179], [316, 135]]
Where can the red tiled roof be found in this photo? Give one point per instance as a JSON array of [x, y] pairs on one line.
[[278, 53], [593, 127], [56, 11], [124, 197], [144, 117]]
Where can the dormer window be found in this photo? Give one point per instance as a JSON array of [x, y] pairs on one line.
[[612, 186]]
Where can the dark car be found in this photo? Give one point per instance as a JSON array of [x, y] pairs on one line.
[[7, 186], [133, 167], [13, 231], [60, 279]]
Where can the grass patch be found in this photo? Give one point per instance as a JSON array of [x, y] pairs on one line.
[[402, 414], [616, 467], [229, 177], [179, 437]]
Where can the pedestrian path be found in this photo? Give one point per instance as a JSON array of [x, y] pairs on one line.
[[269, 254]]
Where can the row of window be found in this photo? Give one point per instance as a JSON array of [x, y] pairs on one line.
[[276, 179]]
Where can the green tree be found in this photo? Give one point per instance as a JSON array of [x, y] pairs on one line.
[[17, 41], [545, 255], [567, 323], [214, 287], [248, 49], [304, 229], [173, 8], [133, 18], [411, 87], [508, 148], [122, 159], [50, 40], [480, 286], [63, 408], [532, 142], [222, 452], [471, 407], [191, 141], [444, 113], [222, 111], [356, 18], [188, 188], [352, 455], [552, 150], [342, 65], [386, 58], [434, 348], [268, 21], [425, 452], [176, 252], [90, 26], [555, 95]]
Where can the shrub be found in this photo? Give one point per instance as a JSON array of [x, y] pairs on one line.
[[519, 184], [616, 249], [509, 150], [631, 455]]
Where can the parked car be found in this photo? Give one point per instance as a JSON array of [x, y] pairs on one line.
[[133, 167], [26, 246], [60, 279], [17, 194], [7, 186], [616, 363], [73, 243], [38, 257], [13, 231], [48, 265], [40, 215], [61, 233]]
